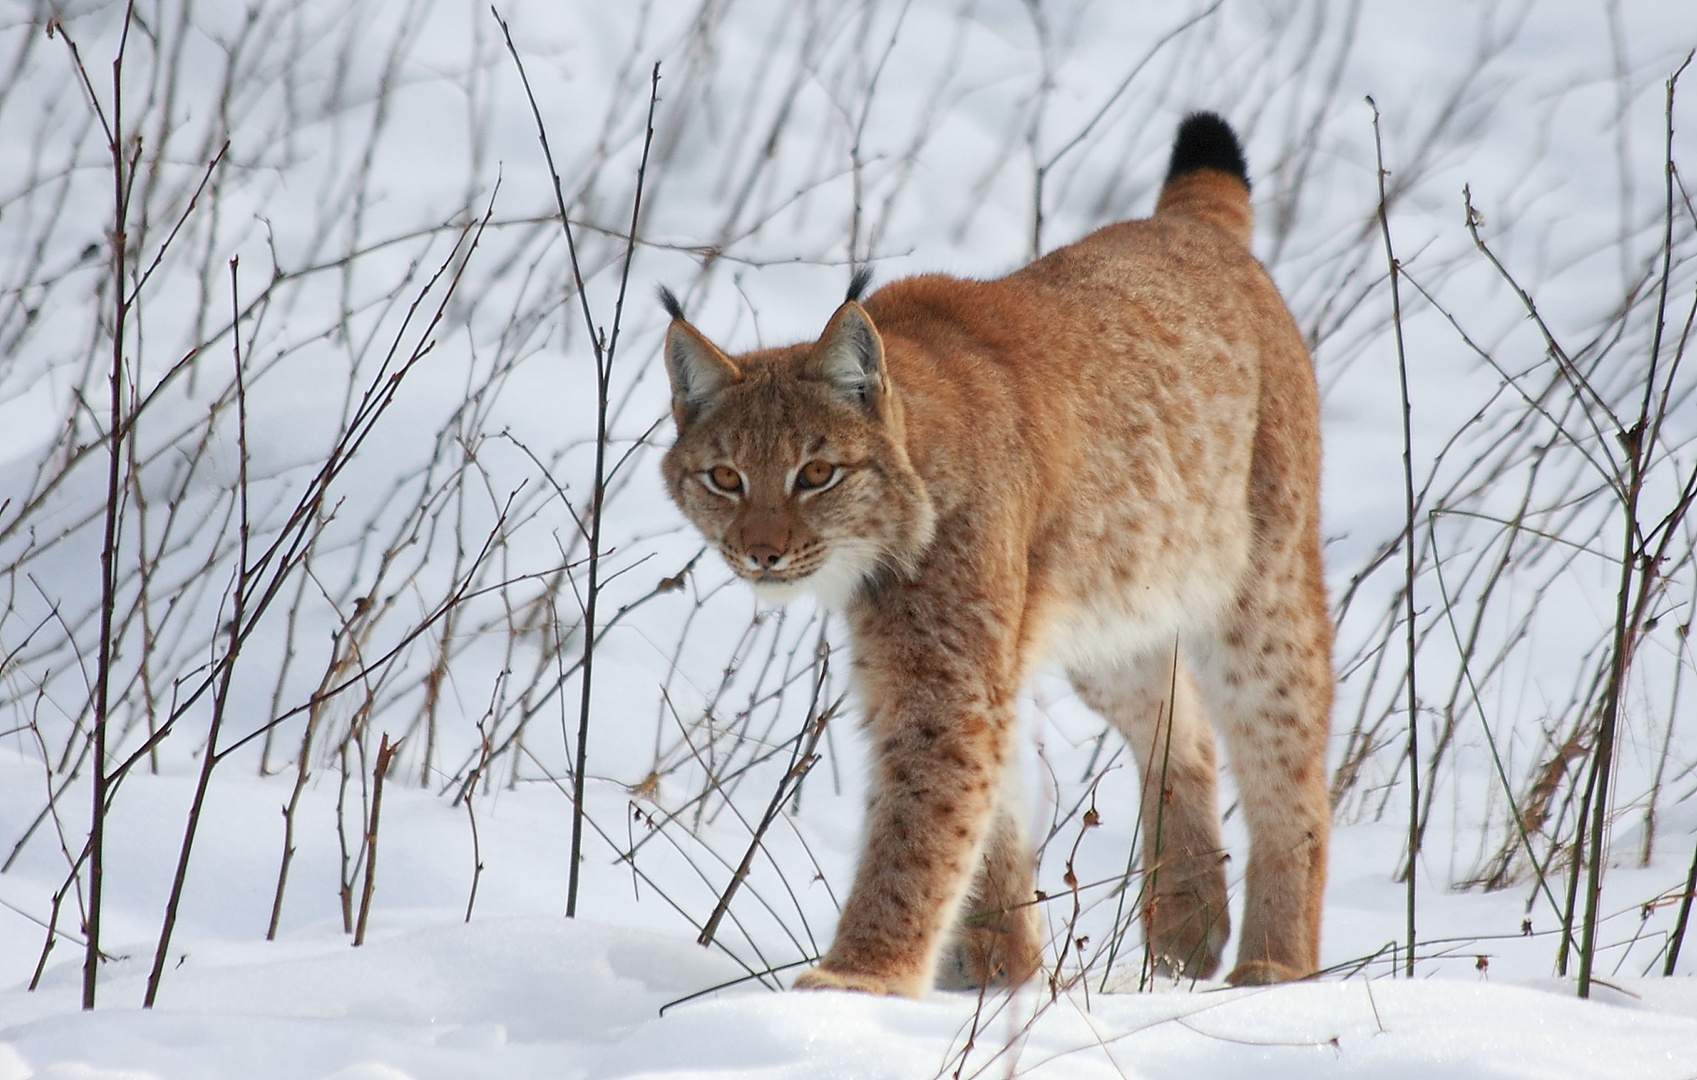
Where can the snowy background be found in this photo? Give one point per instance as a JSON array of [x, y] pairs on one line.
[[411, 449]]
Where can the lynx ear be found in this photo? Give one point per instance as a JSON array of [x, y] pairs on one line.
[[850, 356], [698, 370]]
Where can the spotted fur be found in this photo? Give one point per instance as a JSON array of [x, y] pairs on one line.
[[1109, 459]]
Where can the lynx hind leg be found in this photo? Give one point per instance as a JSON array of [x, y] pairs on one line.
[[997, 938], [1185, 921], [1267, 682]]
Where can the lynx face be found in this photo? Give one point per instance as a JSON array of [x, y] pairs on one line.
[[789, 462]]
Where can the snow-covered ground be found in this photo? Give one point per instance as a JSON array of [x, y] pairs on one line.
[[541, 996], [793, 140]]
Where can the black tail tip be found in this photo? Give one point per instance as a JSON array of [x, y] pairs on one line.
[[1205, 141], [670, 302]]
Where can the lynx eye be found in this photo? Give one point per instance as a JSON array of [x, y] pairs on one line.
[[725, 478], [815, 474]]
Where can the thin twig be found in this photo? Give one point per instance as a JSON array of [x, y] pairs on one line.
[[802, 759], [239, 595], [385, 756], [109, 544], [604, 349], [1395, 269]]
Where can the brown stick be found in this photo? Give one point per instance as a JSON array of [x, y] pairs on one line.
[[109, 544], [1414, 819], [385, 755], [1684, 917], [604, 348], [802, 759], [1634, 559], [210, 758]]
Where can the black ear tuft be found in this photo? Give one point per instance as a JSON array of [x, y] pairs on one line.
[[670, 303], [1205, 141], [858, 283]]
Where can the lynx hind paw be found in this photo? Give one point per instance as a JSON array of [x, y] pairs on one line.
[[990, 958], [1187, 966], [824, 979], [1263, 973], [955, 969], [1193, 947]]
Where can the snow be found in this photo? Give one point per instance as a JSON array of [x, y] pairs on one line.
[[1550, 111], [542, 996]]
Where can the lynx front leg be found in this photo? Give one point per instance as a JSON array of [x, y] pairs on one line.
[[938, 771], [938, 663]]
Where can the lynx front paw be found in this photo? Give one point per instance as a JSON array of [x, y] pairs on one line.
[[820, 978]]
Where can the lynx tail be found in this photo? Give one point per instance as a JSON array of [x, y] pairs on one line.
[[1207, 179]]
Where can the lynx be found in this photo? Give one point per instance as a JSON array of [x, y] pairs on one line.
[[1108, 459]]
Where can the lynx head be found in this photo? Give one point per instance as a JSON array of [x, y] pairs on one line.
[[792, 462]]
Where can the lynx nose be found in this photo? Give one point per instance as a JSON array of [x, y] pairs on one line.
[[764, 556]]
